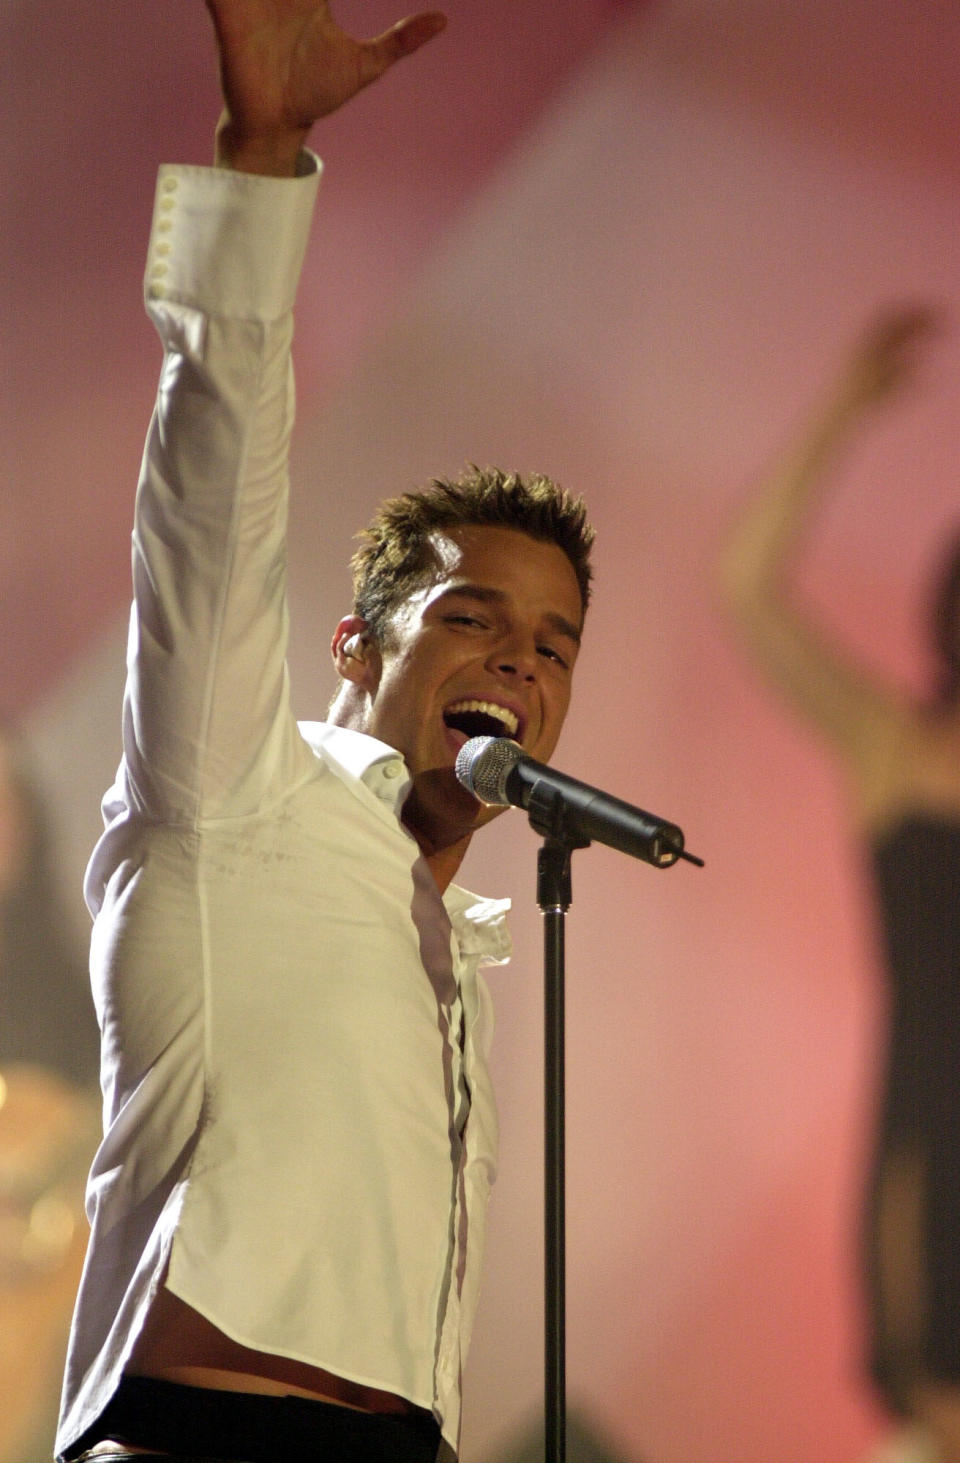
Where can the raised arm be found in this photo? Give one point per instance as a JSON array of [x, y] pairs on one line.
[[853, 713], [208, 729], [284, 64]]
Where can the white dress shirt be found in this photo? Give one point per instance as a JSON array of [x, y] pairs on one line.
[[300, 1134]]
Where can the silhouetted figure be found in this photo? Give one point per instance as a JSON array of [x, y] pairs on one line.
[[46, 1013], [48, 1116], [902, 760]]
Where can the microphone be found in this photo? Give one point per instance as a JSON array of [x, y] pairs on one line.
[[497, 770]]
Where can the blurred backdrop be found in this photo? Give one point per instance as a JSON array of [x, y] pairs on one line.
[[624, 244]]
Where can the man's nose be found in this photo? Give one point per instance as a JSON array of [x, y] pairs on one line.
[[517, 659]]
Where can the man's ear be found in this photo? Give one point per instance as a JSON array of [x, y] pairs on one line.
[[355, 653]]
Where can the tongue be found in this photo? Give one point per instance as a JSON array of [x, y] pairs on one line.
[[475, 724]]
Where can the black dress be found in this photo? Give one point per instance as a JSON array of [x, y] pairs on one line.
[[917, 869]]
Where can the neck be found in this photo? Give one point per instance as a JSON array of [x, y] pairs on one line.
[[442, 848]]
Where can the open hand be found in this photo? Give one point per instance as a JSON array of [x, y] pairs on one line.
[[887, 356], [286, 63]]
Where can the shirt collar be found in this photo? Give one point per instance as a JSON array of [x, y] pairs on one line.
[[380, 768]]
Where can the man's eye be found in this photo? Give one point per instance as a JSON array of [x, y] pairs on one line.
[[464, 620], [548, 652]]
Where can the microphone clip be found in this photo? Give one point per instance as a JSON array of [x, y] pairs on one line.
[[549, 816]]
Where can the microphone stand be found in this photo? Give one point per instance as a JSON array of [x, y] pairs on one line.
[[555, 820], [547, 817]]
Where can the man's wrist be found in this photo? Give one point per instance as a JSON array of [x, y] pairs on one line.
[[272, 155]]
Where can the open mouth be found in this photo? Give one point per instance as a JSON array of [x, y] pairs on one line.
[[481, 719]]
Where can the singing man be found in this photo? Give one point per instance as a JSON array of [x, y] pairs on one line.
[[287, 1208]]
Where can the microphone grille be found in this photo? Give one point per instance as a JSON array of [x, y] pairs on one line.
[[484, 764]]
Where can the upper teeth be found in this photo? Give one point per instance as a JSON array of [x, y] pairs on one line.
[[488, 708]]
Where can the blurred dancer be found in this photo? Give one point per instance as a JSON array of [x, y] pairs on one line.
[[902, 761], [46, 1014], [48, 1113]]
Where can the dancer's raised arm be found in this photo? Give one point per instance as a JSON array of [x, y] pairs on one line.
[[841, 698]]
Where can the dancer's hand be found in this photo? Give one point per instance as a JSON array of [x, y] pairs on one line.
[[888, 355]]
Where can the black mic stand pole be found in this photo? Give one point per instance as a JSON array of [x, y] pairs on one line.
[[546, 812], [548, 816]]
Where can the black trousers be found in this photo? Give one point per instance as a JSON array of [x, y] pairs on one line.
[[198, 1423]]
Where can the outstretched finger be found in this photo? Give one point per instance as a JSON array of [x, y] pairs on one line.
[[400, 40]]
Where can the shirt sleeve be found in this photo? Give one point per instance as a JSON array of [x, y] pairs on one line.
[[208, 731]]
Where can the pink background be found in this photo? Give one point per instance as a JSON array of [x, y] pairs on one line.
[[625, 244]]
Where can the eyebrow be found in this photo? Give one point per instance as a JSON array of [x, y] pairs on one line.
[[484, 595]]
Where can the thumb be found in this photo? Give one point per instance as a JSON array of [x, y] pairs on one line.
[[400, 40]]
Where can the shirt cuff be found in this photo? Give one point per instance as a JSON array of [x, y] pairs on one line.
[[230, 243]]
